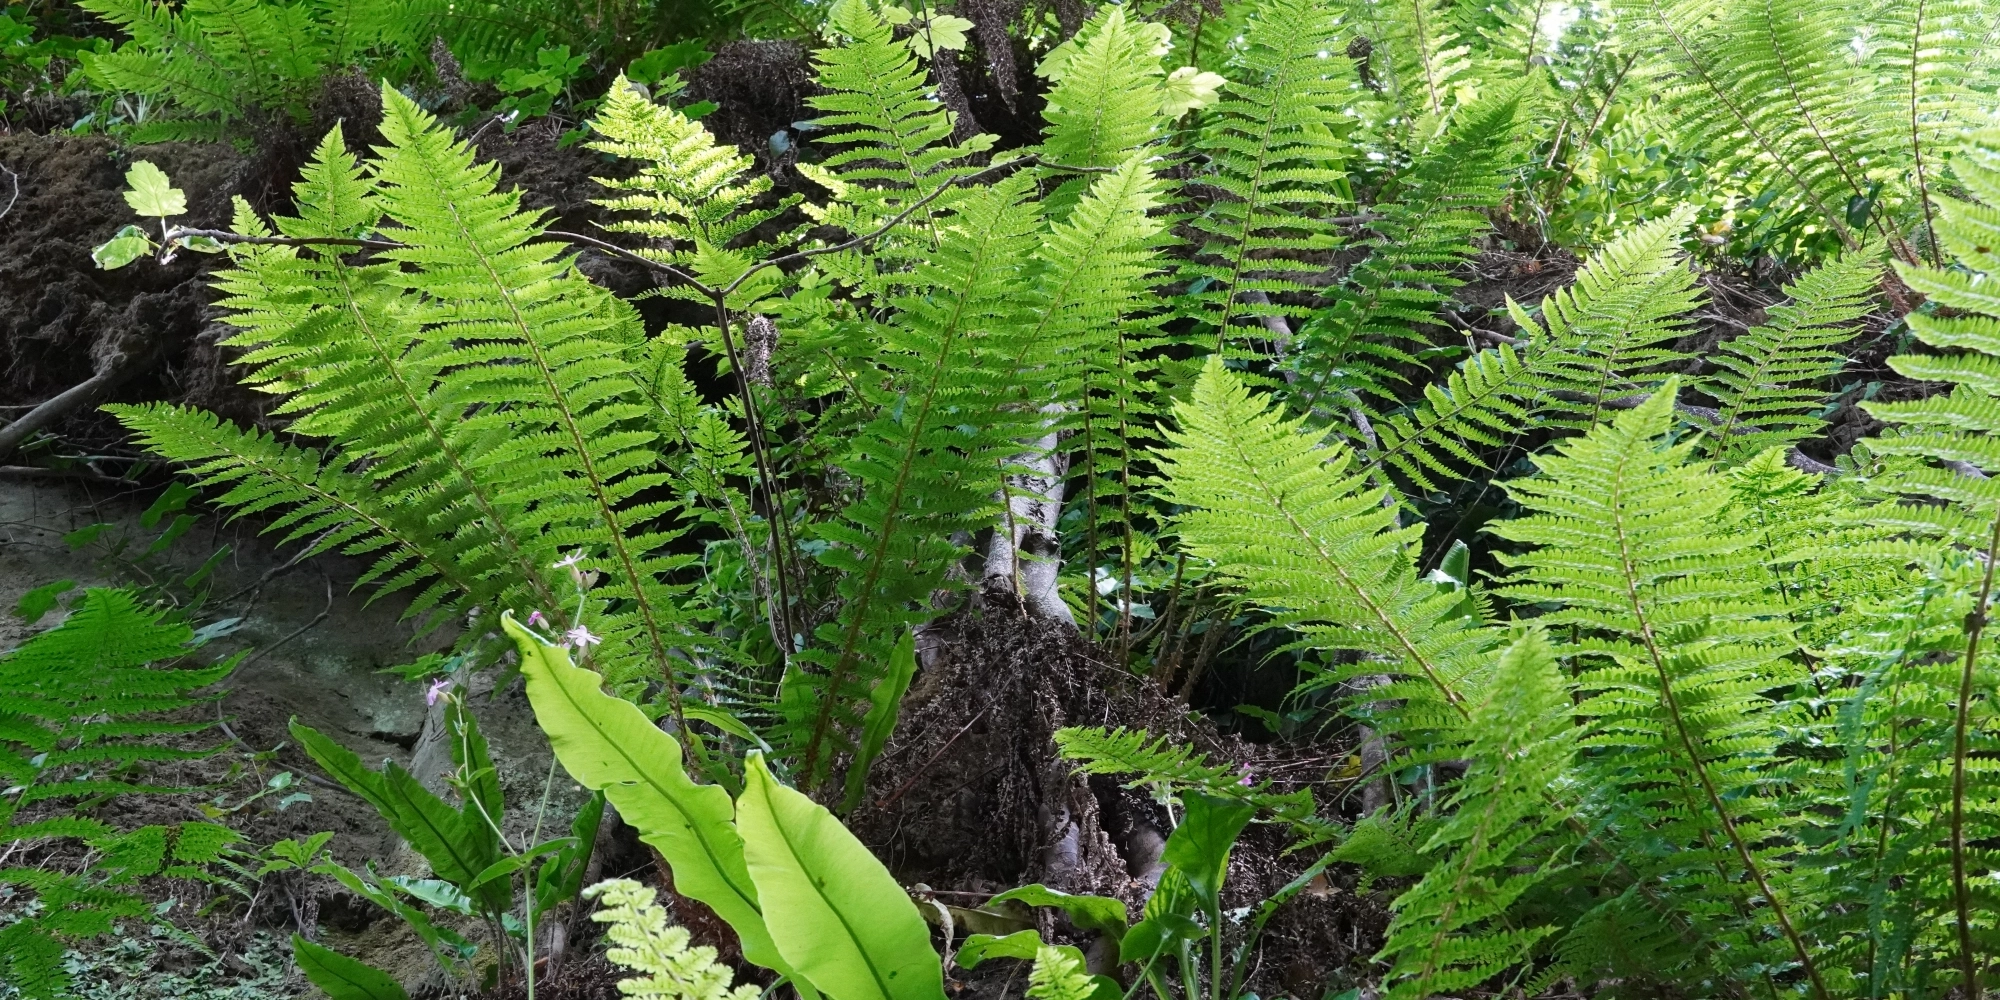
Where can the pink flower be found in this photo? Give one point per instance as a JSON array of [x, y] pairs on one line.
[[1244, 777], [535, 618], [437, 690], [581, 638]]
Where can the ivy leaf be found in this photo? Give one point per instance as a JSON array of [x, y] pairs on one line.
[[128, 245], [151, 195]]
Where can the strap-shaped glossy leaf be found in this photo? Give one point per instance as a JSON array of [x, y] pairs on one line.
[[836, 914], [344, 978], [607, 744]]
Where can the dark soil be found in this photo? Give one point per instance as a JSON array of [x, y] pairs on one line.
[[970, 796]]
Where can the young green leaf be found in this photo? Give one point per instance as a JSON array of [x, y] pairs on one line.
[[980, 947], [1200, 846], [836, 914], [150, 193], [1090, 913], [130, 244], [884, 701]]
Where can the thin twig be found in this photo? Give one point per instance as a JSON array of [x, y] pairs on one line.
[[179, 233], [301, 630], [912, 782], [17, 191]]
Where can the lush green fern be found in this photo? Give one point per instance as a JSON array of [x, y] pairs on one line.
[[876, 104], [1678, 640], [1350, 352], [1593, 342], [485, 384], [84, 708], [1947, 446], [929, 462], [693, 199], [1307, 537], [669, 969]]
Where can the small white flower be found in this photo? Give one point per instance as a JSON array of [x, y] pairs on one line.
[[569, 560], [581, 638]]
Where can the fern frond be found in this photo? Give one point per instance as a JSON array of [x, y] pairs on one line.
[[1603, 332], [669, 968], [1058, 975], [930, 460], [80, 702], [1307, 538], [1959, 426], [1453, 930], [877, 105], [337, 510], [1679, 642], [344, 347], [1771, 379], [1106, 99], [689, 188], [216, 57], [1350, 350], [541, 349], [1274, 146]]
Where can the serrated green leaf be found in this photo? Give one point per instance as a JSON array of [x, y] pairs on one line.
[[151, 194], [129, 245]]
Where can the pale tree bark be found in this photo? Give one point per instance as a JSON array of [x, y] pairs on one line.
[[1025, 554]]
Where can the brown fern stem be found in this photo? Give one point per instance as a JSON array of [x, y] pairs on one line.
[[1916, 141], [1961, 893]]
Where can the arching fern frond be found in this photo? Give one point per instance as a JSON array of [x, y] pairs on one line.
[[1602, 334], [928, 463], [689, 191], [1454, 929], [1307, 538], [1679, 642], [1378, 317], [878, 106], [1772, 379], [1595, 342]]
